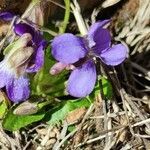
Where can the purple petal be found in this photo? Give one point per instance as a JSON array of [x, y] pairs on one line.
[[38, 59], [103, 40], [7, 16], [68, 48], [115, 55], [82, 80], [94, 31], [99, 24], [37, 39], [18, 89], [5, 74], [22, 28]]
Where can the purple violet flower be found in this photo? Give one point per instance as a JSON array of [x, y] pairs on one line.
[[38, 43], [14, 68], [70, 49]]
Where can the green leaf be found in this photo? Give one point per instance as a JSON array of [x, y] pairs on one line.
[[71, 128], [57, 114], [107, 88], [14, 122], [44, 84], [3, 108], [4, 104]]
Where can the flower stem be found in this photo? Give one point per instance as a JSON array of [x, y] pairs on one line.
[[42, 104], [66, 18]]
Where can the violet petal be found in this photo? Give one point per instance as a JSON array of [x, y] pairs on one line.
[[37, 39], [5, 74], [68, 48], [38, 59], [99, 24], [82, 80], [22, 28], [115, 55], [103, 40], [94, 29], [18, 89], [7, 16]]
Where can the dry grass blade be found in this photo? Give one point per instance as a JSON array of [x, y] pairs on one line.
[[101, 136]]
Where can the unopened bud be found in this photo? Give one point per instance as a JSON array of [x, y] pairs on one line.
[[25, 38], [20, 59], [20, 56], [26, 108], [20, 43]]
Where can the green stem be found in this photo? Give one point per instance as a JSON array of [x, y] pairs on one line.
[[48, 31], [66, 18], [42, 104]]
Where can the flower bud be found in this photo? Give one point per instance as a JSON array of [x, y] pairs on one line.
[[19, 60], [20, 56], [26, 108], [20, 43]]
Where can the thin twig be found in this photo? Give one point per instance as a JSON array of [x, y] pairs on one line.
[[140, 68], [65, 138], [45, 139], [58, 4], [123, 100], [141, 122], [101, 136], [62, 135]]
